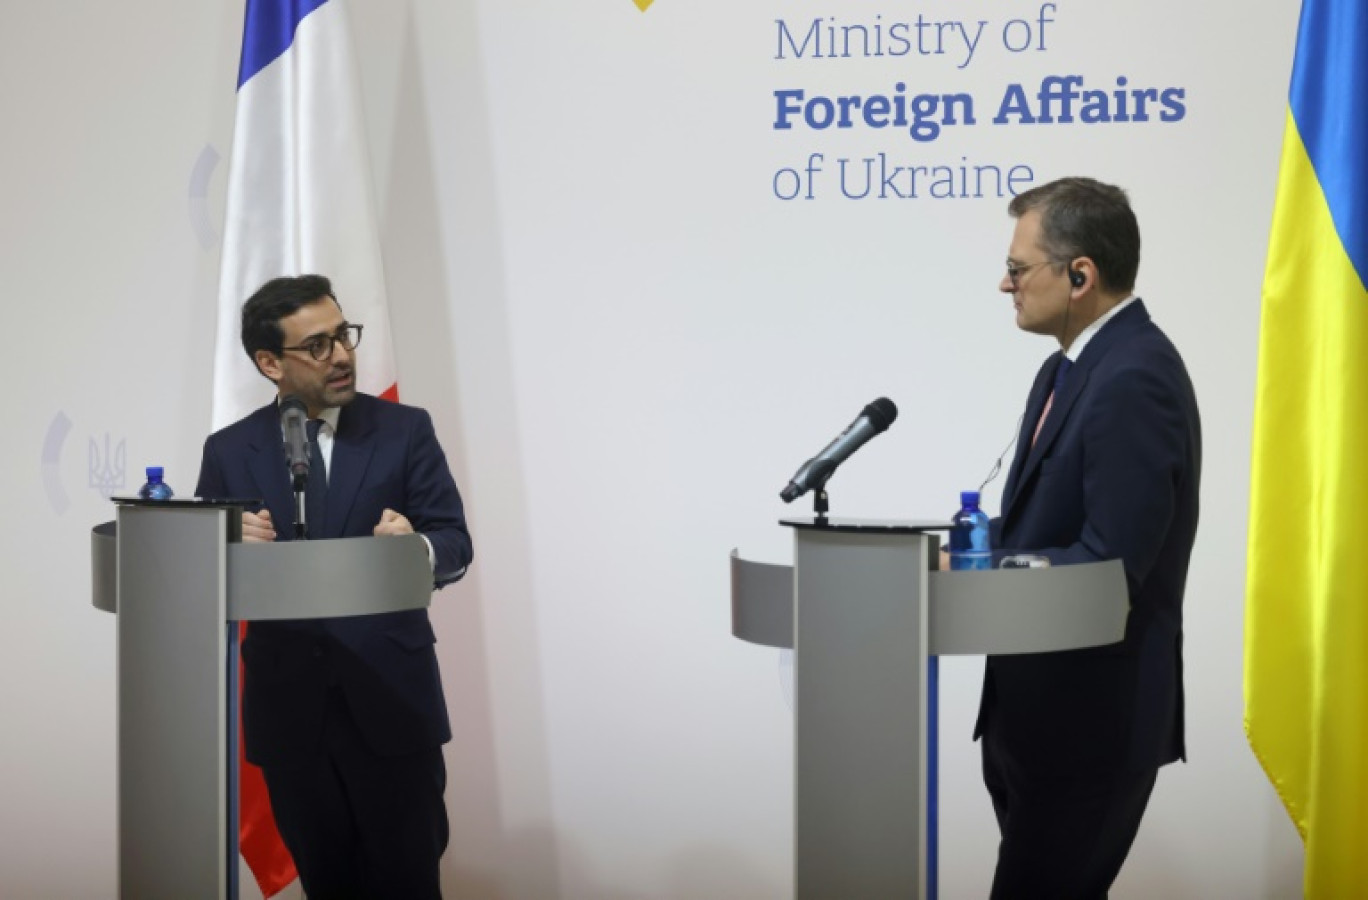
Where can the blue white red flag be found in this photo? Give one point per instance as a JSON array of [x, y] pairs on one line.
[[299, 201]]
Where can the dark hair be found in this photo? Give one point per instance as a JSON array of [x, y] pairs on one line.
[[273, 301], [1083, 217]]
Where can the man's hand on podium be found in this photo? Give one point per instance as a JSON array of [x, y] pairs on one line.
[[257, 528], [392, 522]]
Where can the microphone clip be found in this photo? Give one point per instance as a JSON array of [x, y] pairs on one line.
[[820, 506]]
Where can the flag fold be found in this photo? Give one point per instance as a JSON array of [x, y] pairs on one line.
[[298, 201], [1306, 604]]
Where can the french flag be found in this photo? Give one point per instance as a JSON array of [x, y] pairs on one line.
[[299, 201], [299, 191]]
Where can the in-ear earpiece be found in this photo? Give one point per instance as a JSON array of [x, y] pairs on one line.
[[1077, 278]]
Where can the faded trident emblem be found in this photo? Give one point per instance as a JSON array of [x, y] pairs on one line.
[[106, 474]]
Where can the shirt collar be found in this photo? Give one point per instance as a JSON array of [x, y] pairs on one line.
[[1076, 348], [329, 416]]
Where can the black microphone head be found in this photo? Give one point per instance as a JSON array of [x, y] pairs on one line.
[[290, 403], [881, 414], [293, 416]]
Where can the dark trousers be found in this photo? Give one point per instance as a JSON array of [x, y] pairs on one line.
[[361, 826], [1062, 838]]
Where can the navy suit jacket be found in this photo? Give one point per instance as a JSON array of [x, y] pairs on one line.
[[385, 455], [1114, 474]]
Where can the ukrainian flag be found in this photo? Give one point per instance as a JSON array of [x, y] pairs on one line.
[[1306, 604]]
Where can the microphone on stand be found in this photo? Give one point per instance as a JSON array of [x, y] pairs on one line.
[[293, 418], [873, 419]]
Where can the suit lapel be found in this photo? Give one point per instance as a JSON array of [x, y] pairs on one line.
[[266, 464], [1035, 405], [1059, 413], [1029, 457], [353, 446]]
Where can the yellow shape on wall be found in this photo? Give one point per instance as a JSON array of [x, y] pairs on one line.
[[643, 4]]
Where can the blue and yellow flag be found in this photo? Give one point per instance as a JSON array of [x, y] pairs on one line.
[[1306, 604]]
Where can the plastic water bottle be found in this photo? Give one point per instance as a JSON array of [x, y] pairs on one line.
[[969, 546], [155, 488]]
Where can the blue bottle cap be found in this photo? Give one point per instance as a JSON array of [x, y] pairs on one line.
[[154, 473], [969, 498]]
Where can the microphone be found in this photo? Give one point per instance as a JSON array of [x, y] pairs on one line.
[[873, 419], [293, 416]]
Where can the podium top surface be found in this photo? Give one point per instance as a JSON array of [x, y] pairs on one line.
[[867, 526], [190, 502], [284, 579], [996, 611]]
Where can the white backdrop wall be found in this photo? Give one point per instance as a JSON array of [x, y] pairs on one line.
[[628, 342]]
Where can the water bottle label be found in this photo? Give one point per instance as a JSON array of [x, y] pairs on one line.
[[970, 560]]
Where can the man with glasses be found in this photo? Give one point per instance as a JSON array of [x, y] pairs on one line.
[[345, 716], [1107, 467]]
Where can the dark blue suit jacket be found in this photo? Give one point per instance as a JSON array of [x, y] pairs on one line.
[[385, 455], [1113, 475]]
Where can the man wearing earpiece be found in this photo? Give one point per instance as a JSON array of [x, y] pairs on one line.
[[1107, 466]]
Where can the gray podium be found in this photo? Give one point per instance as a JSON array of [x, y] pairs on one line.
[[178, 578], [864, 611]]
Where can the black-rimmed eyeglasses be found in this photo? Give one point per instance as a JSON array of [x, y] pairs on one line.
[[1014, 271], [321, 346]]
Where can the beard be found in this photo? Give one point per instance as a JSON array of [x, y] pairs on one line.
[[339, 394], [336, 388]]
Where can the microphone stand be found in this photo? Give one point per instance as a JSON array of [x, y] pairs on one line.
[[301, 517], [820, 505]]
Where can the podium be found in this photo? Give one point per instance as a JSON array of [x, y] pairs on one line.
[[867, 616], [179, 579]]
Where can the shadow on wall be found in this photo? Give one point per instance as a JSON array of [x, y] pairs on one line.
[[1283, 860], [447, 327], [715, 871], [712, 872], [496, 881]]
